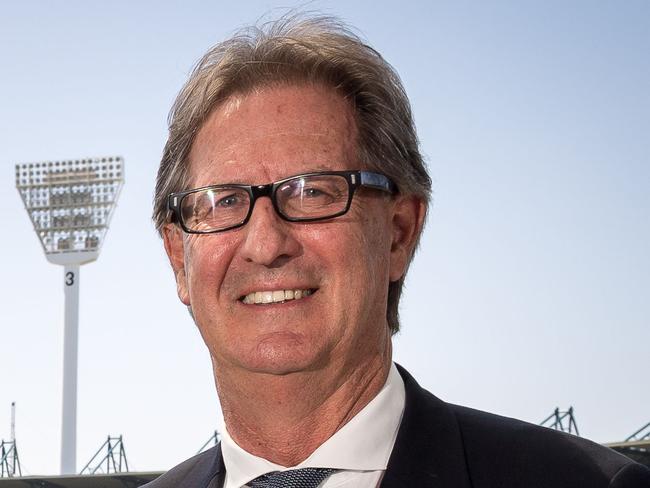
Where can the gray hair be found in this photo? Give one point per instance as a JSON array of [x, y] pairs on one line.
[[294, 50]]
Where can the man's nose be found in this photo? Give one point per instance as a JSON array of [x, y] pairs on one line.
[[269, 240]]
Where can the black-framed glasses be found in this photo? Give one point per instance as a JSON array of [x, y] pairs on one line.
[[302, 198]]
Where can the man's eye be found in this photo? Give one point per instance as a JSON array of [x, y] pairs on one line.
[[313, 192], [228, 201]]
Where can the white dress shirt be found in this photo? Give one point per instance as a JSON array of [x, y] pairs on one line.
[[360, 449]]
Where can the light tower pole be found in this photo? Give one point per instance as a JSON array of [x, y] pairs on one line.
[[70, 204]]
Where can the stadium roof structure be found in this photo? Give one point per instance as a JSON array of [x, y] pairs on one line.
[[639, 451], [636, 446], [114, 480]]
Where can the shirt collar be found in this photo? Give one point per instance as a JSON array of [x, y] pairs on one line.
[[363, 444]]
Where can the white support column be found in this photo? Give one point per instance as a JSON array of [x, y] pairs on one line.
[[13, 421], [70, 351]]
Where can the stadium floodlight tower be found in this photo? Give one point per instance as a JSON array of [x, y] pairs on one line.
[[70, 204]]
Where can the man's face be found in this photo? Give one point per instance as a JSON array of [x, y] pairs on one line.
[[345, 263]]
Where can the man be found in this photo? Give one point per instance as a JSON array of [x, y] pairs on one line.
[[290, 197]]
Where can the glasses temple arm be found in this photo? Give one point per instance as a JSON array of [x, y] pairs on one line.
[[377, 181]]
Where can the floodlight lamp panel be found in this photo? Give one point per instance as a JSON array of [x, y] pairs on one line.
[[70, 204]]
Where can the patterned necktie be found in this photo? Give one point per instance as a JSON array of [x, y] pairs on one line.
[[295, 478]]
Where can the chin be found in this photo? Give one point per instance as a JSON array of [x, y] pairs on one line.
[[284, 357]]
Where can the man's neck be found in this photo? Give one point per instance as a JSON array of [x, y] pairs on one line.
[[285, 418]]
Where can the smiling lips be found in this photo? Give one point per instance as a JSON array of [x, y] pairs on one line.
[[275, 296]]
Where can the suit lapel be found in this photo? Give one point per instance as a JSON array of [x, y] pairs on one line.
[[428, 451], [219, 470]]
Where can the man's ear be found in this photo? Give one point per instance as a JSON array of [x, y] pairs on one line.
[[173, 239], [409, 213]]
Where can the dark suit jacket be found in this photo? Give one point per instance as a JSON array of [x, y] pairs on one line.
[[440, 445]]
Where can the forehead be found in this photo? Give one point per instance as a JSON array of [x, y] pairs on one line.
[[273, 133]]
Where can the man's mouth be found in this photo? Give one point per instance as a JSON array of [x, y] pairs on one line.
[[275, 296]]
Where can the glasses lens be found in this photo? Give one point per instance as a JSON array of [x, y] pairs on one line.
[[214, 209], [310, 197]]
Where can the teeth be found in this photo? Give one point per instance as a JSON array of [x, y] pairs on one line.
[[275, 296]]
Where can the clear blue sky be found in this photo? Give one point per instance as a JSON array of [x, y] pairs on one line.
[[531, 289]]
